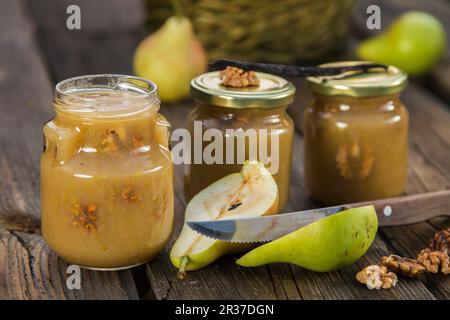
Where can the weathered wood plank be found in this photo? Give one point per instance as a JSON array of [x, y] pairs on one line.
[[27, 269], [97, 16], [105, 44], [30, 270]]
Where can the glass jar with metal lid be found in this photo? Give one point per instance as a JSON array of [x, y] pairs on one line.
[[232, 125], [356, 136]]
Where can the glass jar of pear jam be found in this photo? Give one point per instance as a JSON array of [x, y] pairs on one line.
[[106, 173], [248, 123], [356, 136]]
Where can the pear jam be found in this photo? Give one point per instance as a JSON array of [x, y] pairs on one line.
[[356, 137], [106, 173], [248, 119]]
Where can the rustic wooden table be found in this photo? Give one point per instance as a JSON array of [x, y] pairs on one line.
[[36, 51]]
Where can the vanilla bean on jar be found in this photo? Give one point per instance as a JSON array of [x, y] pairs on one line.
[[106, 173], [356, 136], [243, 114]]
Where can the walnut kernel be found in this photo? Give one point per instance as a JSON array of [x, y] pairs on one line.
[[434, 261], [406, 267], [440, 241], [130, 195], [354, 161], [376, 277], [238, 78], [84, 216]]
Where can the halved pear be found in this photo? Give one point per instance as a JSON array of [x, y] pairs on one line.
[[250, 193], [325, 245]]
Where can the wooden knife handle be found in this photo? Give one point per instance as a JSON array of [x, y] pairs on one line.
[[410, 209]]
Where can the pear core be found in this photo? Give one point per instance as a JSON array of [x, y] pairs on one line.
[[325, 245]]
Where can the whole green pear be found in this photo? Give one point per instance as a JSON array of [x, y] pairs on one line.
[[414, 42], [325, 245], [171, 57]]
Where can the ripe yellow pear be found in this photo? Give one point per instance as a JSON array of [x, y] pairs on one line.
[[250, 193], [171, 57]]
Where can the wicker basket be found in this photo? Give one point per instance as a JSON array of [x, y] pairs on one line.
[[264, 30]]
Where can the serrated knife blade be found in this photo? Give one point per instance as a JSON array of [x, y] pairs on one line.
[[391, 212], [260, 229]]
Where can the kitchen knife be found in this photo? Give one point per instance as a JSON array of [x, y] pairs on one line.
[[391, 212]]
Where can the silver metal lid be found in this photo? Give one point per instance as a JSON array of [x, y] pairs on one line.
[[272, 92]]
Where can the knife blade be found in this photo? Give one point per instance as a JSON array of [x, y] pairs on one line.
[[260, 229], [391, 212]]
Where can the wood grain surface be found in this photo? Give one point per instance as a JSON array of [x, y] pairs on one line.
[[37, 51]]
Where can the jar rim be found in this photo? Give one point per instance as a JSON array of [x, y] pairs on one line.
[[376, 82], [139, 93]]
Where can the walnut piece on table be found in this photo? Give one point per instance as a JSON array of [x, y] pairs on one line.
[[440, 241], [404, 266], [376, 277], [238, 78], [434, 261]]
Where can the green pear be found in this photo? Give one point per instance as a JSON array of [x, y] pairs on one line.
[[250, 193], [414, 43], [325, 245], [171, 57]]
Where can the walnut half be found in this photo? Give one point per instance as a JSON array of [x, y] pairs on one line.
[[406, 267], [238, 78], [440, 241], [376, 277], [433, 261]]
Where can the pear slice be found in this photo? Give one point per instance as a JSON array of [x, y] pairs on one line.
[[325, 245], [250, 193], [64, 142]]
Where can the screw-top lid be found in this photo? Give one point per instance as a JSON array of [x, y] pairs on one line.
[[272, 92], [373, 82]]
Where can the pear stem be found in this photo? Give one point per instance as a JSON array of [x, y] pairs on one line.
[[178, 8], [181, 274]]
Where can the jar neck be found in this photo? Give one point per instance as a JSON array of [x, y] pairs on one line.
[[105, 98], [324, 102], [102, 119], [218, 111]]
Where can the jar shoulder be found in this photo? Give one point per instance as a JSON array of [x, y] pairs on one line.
[[379, 110], [112, 147], [226, 118]]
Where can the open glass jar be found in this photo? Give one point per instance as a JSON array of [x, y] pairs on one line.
[[106, 173], [247, 123], [356, 136]]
